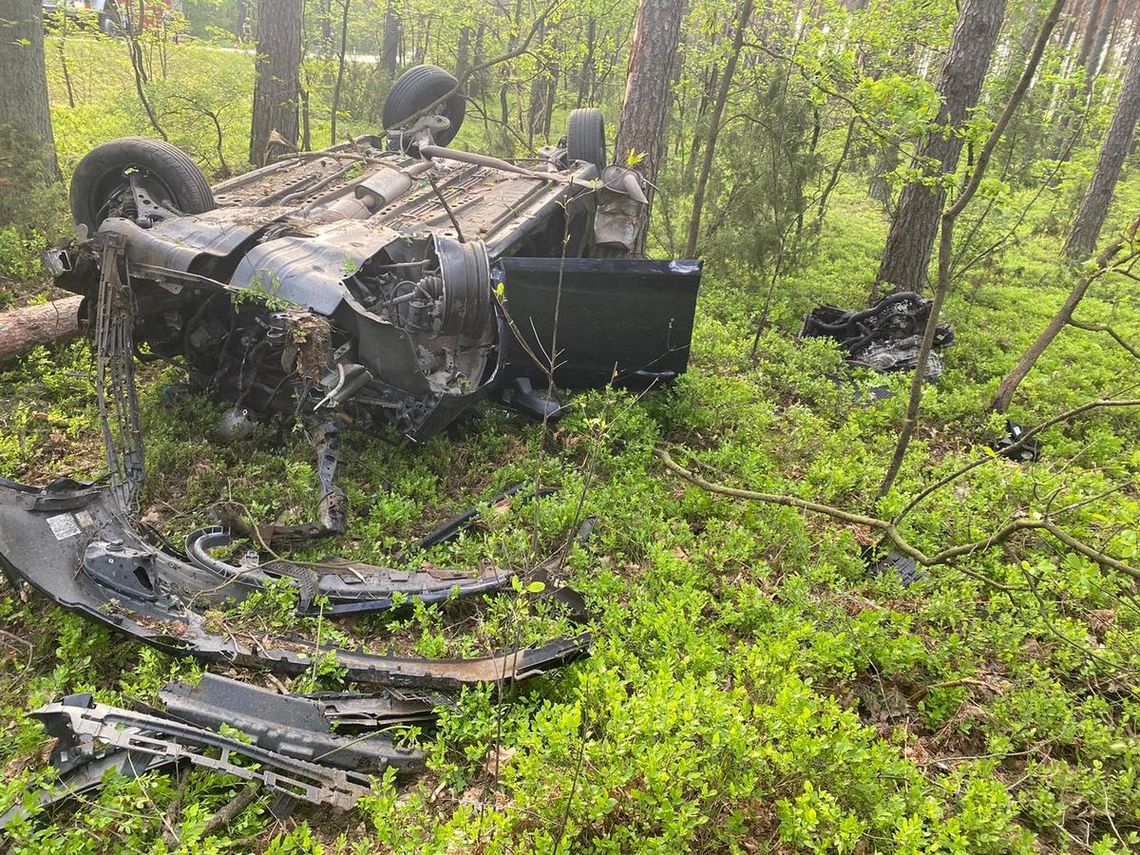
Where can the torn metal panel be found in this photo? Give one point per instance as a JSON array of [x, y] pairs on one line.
[[624, 321], [292, 725], [90, 561]]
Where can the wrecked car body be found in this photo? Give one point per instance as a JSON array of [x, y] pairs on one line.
[[885, 337], [393, 288], [388, 284]]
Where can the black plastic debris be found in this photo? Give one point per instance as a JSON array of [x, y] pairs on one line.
[[903, 566], [885, 337], [295, 725], [1013, 446]]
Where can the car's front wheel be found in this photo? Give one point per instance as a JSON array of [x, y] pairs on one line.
[[419, 88], [101, 185]]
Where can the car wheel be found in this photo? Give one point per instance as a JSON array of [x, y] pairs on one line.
[[418, 87], [586, 137], [101, 183]]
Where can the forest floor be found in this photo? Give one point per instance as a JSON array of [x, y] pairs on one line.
[[752, 687]]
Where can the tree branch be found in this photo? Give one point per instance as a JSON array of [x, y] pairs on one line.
[[1105, 329], [1016, 446], [892, 533]]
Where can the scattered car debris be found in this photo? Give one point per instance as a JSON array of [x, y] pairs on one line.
[[885, 337], [295, 725], [73, 544], [93, 738], [1027, 452]]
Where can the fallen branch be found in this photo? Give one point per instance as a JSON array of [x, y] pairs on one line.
[[28, 327], [1105, 263], [891, 532], [230, 811]]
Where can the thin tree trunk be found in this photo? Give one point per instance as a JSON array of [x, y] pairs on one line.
[[834, 179], [276, 90], [911, 239], [1087, 223], [586, 73], [241, 18], [946, 249], [643, 126], [1093, 61], [744, 14], [463, 53], [339, 70], [1064, 315], [389, 56]]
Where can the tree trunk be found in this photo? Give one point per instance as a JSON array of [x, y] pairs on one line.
[[27, 147], [325, 16], [31, 326], [463, 52], [240, 19], [390, 55], [911, 239], [645, 107], [276, 90], [1064, 315], [1093, 61], [586, 73], [1085, 229], [744, 14], [339, 70]]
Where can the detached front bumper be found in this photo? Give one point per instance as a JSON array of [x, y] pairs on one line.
[[72, 543]]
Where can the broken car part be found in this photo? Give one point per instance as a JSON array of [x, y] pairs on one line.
[[88, 733], [74, 544], [292, 725], [885, 337], [1027, 452]]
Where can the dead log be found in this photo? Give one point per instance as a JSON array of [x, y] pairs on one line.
[[28, 327]]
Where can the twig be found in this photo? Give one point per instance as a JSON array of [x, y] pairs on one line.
[[1016, 446], [230, 811], [450, 213], [1106, 329]]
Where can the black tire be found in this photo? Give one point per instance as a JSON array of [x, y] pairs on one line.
[[586, 137], [415, 89], [172, 177]]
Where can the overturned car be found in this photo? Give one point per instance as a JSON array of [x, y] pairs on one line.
[[392, 281]]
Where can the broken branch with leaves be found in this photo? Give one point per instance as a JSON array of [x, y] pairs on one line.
[[1036, 522]]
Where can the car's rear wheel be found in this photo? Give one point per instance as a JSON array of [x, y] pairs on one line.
[[586, 137], [101, 185], [418, 87]]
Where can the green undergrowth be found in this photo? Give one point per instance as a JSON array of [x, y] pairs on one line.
[[752, 687]]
